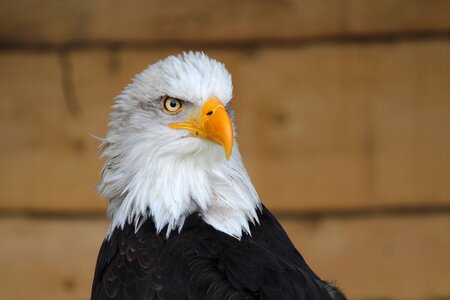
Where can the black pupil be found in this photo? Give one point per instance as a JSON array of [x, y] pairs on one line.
[[173, 103]]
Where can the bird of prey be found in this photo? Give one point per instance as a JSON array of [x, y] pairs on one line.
[[186, 221]]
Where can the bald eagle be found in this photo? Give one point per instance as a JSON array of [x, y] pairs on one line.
[[186, 221]]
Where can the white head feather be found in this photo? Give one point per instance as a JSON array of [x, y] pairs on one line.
[[155, 171]]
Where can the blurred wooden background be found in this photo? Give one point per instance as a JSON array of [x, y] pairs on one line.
[[343, 112]]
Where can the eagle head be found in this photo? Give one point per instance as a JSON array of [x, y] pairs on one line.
[[171, 149]]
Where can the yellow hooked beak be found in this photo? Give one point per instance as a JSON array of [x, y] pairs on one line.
[[213, 124]]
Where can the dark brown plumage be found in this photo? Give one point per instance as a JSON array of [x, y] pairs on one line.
[[203, 263]]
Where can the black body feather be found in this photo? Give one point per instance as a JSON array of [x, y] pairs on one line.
[[203, 263]]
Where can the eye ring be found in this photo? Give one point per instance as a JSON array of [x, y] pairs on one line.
[[172, 105]]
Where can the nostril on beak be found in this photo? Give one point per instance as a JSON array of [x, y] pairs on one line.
[[209, 113]]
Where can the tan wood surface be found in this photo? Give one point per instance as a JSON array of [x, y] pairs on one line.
[[44, 164], [376, 258], [343, 109], [379, 258], [320, 128], [61, 22]]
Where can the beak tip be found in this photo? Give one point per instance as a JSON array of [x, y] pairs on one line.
[[228, 155]]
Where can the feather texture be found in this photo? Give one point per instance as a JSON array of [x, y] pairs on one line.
[[185, 222], [200, 262], [155, 171]]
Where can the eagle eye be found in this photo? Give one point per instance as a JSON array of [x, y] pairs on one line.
[[172, 105]]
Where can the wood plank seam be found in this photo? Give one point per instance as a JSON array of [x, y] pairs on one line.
[[231, 45], [354, 213]]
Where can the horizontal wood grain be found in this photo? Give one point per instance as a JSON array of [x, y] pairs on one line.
[[347, 126], [48, 259], [343, 117], [142, 21], [44, 163], [324, 127], [376, 258], [379, 258]]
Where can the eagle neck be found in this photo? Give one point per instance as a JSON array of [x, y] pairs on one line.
[[169, 190]]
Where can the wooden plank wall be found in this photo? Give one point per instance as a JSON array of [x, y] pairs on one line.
[[343, 111]]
